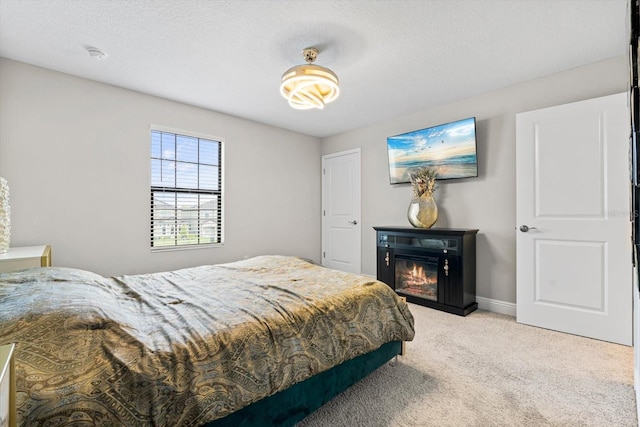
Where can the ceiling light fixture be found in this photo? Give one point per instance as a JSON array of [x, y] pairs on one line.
[[309, 86], [96, 53]]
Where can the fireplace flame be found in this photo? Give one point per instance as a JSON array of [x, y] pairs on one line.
[[417, 278]]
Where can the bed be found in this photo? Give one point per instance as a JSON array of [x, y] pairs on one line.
[[263, 341]]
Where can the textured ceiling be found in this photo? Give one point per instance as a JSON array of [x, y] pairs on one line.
[[392, 57]]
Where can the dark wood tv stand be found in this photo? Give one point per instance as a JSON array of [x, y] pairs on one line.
[[434, 267]]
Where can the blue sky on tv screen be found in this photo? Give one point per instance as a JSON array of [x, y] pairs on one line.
[[450, 149]]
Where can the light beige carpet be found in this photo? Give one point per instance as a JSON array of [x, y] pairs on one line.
[[487, 370]]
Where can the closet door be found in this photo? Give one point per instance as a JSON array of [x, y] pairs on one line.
[[574, 253]]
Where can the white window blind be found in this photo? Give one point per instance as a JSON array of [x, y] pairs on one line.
[[186, 190]]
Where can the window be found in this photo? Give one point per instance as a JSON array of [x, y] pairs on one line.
[[186, 190]]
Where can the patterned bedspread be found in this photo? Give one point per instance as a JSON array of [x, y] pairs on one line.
[[186, 347]]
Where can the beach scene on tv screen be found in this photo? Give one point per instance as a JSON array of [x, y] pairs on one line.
[[450, 149]]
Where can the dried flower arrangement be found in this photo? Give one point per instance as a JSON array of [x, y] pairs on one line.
[[423, 181]]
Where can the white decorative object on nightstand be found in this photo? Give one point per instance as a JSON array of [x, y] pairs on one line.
[[25, 257], [5, 216]]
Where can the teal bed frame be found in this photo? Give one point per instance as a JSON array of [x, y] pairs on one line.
[[287, 407]]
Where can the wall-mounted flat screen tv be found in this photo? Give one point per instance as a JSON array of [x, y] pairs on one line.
[[449, 148]]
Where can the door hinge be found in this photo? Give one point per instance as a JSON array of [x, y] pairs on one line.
[[324, 255], [323, 212], [323, 171]]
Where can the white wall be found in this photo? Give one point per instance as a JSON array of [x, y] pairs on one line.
[[75, 153], [76, 156], [487, 202]]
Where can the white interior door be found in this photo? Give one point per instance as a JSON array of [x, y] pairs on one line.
[[574, 265], [341, 247]]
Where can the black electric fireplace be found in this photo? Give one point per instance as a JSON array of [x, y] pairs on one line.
[[433, 267]]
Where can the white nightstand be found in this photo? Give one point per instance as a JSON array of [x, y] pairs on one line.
[[7, 387], [25, 257]]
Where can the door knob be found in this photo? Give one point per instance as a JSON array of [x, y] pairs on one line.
[[354, 222], [525, 228]]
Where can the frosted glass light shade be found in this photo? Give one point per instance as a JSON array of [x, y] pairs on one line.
[[309, 86], [5, 217]]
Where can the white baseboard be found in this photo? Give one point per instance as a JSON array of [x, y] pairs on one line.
[[496, 306]]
